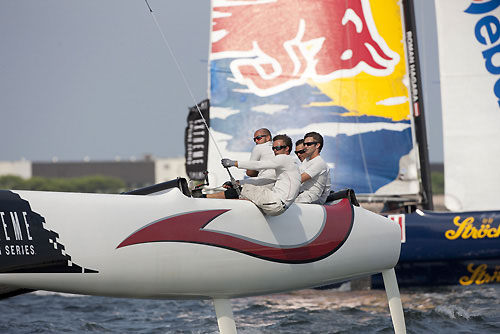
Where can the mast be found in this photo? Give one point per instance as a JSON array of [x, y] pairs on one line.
[[418, 102]]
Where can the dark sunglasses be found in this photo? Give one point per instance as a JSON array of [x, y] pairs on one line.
[[279, 148], [258, 137], [311, 143], [301, 151]]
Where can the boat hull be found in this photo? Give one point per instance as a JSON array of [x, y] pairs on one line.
[[448, 248], [173, 246]]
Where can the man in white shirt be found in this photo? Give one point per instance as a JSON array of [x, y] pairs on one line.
[[276, 200], [262, 151], [315, 174]]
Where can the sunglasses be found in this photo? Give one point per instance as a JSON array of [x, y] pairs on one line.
[[279, 148], [301, 151], [311, 143], [258, 137]]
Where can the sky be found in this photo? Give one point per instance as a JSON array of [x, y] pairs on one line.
[[94, 79]]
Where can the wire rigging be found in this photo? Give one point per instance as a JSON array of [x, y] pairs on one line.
[[186, 84]]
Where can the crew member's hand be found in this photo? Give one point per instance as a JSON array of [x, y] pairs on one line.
[[229, 184], [228, 163]]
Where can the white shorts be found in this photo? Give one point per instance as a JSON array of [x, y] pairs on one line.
[[264, 198]]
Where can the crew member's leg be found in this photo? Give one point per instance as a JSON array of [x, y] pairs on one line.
[[228, 194], [264, 198]]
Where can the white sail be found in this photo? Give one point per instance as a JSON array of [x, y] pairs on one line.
[[469, 59]]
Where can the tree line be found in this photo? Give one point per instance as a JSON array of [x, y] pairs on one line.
[[437, 180], [113, 185], [83, 184]]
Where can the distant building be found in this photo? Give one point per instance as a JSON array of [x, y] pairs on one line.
[[21, 168], [136, 173], [169, 168]]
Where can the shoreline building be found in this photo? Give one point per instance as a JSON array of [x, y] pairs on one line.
[[134, 172]]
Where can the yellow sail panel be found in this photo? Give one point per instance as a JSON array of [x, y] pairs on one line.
[[372, 95]]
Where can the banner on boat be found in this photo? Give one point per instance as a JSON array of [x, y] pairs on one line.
[[335, 67], [196, 140]]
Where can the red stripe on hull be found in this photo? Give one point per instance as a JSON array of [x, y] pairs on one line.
[[189, 228]]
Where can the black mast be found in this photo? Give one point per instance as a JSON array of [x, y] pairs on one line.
[[418, 102]]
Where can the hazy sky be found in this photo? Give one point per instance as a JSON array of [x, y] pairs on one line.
[[94, 79]]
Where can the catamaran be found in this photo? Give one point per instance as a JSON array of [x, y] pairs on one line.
[[347, 69], [159, 242], [462, 246], [355, 78]]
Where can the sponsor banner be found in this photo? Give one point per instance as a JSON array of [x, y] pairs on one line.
[[465, 273], [481, 273], [196, 141], [335, 67], [26, 246], [469, 54], [449, 236]]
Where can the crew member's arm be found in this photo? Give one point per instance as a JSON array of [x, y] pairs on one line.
[[254, 157], [274, 163], [252, 172], [312, 170], [258, 165], [257, 181], [304, 177]]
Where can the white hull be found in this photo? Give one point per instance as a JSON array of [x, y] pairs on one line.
[[296, 250]]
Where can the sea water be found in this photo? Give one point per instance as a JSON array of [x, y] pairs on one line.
[[427, 310]]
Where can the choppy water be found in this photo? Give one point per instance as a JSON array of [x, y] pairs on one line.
[[440, 310]]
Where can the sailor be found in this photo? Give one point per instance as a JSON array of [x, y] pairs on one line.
[[262, 151], [300, 150], [276, 200], [315, 174]]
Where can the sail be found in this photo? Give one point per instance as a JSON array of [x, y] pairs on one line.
[[335, 67], [469, 60]]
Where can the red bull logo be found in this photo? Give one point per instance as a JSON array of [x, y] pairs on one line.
[[279, 44]]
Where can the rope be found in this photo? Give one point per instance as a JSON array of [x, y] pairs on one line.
[[186, 84]]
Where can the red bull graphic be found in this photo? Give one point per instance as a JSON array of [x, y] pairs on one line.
[[336, 67], [304, 47]]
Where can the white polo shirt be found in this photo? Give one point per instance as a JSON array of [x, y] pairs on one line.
[[264, 152], [287, 183], [317, 188]]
